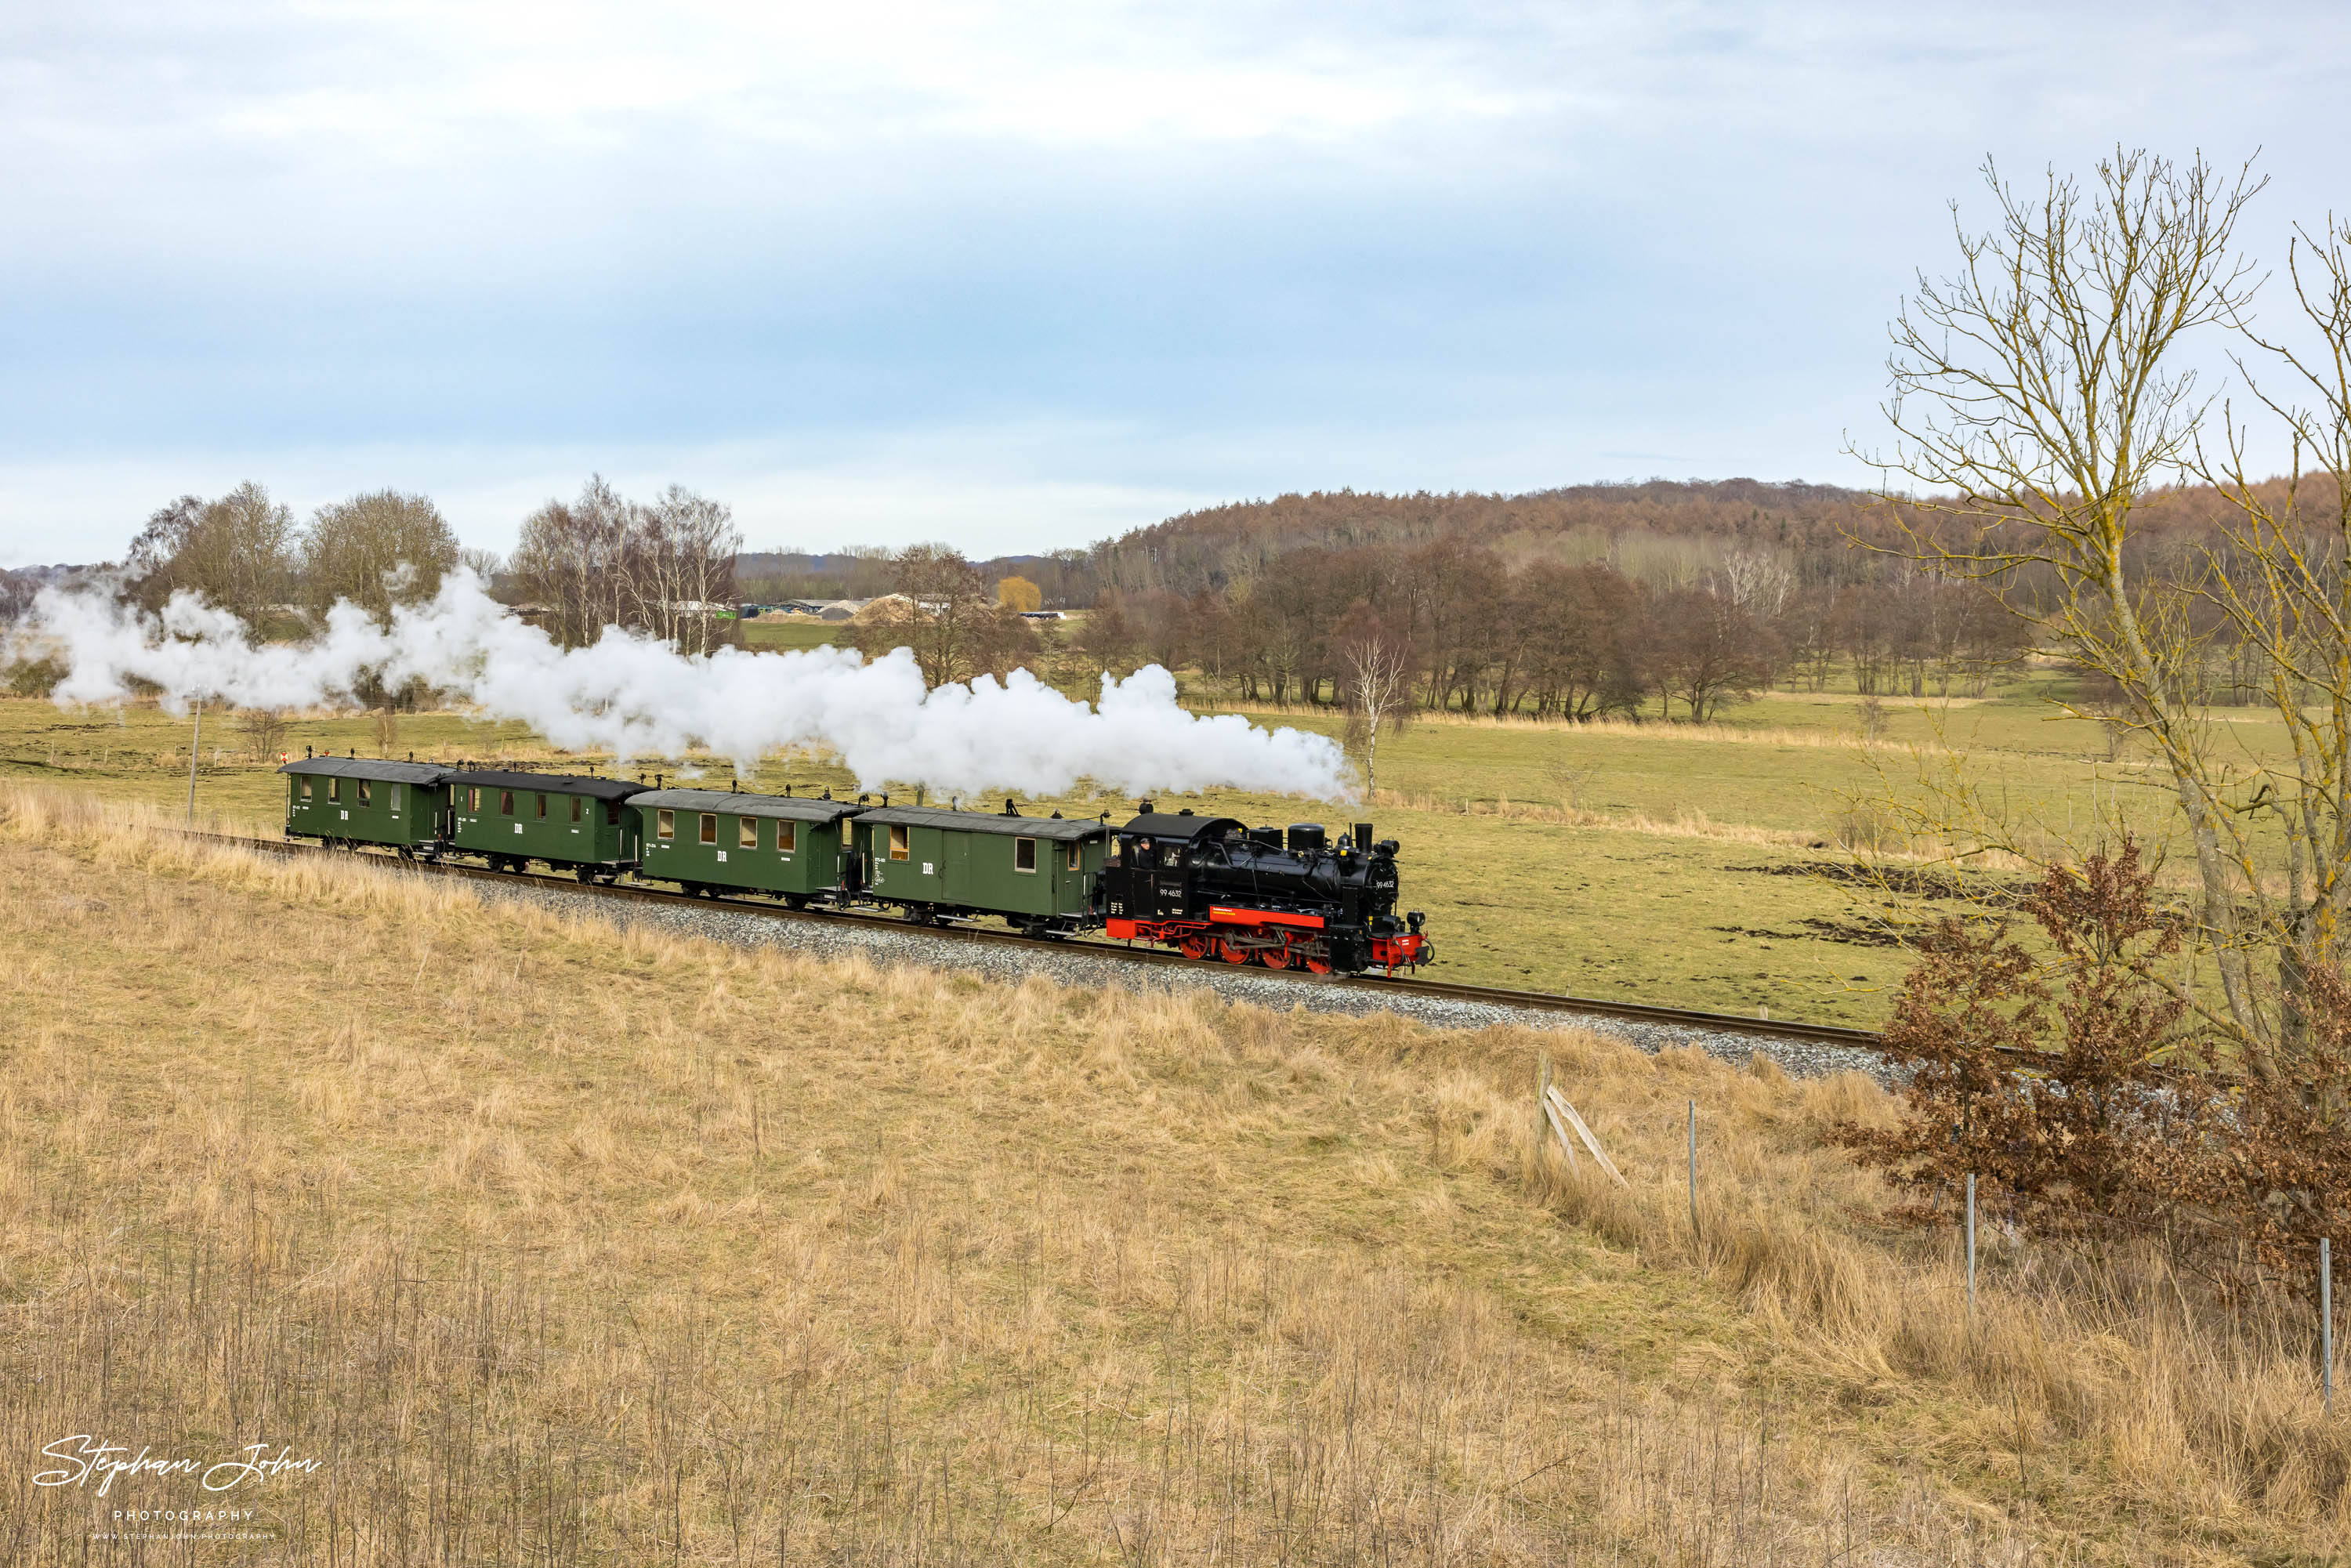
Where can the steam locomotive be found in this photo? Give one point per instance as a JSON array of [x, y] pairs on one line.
[[1214, 888]]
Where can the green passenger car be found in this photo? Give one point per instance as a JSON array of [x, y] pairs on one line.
[[364, 800], [710, 838], [572, 821], [1038, 872]]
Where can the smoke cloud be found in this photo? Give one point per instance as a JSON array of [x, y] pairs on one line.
[[636, 697]]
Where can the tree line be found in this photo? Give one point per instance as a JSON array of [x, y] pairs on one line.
[[1550, 639]]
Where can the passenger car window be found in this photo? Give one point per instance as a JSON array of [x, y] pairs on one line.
[[611, 813], [366, 792], [897, 842], [395, 797], [334, 789], [709, 827], [664, 824], [1071, 861], [542, 806], [577, 802], [302, 786], [746, 832], [473, 801], [1024, 854], [788, 837], [505, 802]]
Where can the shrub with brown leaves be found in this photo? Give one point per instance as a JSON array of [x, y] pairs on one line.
[[2070, 1083]]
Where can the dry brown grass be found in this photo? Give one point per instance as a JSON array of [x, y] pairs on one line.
[[558, 1242]]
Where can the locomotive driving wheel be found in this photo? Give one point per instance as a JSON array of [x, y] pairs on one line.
[[1199, 944], [1317, 962], [1230, 950], [1276, 957]]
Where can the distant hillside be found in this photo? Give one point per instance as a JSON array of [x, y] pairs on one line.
[[1219, 545]]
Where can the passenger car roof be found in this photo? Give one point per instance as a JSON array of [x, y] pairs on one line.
[[1058, 829], [744, 804], [368, 767], [552, 783]]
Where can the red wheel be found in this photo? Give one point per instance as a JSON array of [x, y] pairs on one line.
[[1316, 963], [1277, 958], [1199, 944], [1231, 951]]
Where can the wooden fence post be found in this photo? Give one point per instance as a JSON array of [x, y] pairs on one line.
[[1972, 1250], [1693, 1169]]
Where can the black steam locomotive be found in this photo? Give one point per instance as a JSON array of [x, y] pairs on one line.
[[1214, 888]]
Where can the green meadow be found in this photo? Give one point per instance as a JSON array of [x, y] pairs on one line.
[[1701, 866]]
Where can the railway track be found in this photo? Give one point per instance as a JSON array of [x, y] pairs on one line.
[[1535, 1001]]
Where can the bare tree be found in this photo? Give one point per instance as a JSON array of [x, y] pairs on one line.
[[236, 552], [263, 729], [2041, 389], [1378, 680], [679, 565], [949, 618], [376, 550], [572, 557]]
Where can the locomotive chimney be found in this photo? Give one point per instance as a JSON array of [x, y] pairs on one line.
[[1363, 838]]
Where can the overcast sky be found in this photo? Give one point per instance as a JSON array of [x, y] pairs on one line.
[[1018, 277]]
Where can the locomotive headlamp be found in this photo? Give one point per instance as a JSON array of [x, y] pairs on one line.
[[1412, 919]]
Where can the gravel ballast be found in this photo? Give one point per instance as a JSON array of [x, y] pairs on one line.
[[1014, 962]]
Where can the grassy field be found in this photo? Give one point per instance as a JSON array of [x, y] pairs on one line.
[[554, 1244], [785, 632], [1654, 862]]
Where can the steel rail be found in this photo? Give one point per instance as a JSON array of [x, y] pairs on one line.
[[1487, 996]]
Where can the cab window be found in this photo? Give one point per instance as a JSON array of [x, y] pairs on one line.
[[898, 851], [709, 827], [367, 790], [1024, 855], [788, 837], [1170, 854], [664, 824], [746, 832]]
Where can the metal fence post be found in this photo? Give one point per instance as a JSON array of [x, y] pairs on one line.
[[1972, 1249], [1693, 1168]]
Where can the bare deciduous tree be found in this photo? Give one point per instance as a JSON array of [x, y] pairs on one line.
[[2042, 390], [949, 619], [376, 550], [236, 552], [1379, 681], [603, 561]]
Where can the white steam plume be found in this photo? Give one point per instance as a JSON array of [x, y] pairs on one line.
[[637, 697]]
